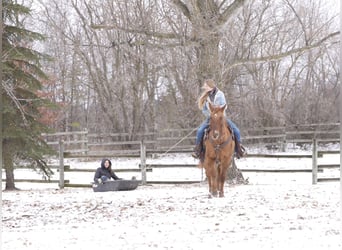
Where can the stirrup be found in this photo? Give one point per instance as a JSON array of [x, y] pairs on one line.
[[242, 152], [195, 155]]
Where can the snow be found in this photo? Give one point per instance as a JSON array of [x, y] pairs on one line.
[[273, 211]]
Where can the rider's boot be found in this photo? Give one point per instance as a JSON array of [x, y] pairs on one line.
[[241, 151], [197, 151]]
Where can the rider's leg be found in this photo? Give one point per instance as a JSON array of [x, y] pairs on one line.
[[235, 129], [239, 149], [199, 138]]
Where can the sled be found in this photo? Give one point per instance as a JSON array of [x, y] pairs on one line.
[[118, 185]]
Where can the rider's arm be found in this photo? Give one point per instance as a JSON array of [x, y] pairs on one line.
[[220, 99], [205, 109]]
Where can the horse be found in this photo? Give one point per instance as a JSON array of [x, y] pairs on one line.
[[219, 151]]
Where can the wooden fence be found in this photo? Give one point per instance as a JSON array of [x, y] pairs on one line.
[[81, 144], [320, 167], [88, 145], [144, 168]]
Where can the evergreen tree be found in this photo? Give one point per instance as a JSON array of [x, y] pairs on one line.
[[22, 83]]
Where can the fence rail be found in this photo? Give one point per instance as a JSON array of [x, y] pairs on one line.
[[319, 168], [144, 167], [81, 144]]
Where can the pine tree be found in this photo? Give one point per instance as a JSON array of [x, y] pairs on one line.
[[21, 82]]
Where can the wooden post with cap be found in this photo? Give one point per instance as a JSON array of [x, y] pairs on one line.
[[143, 162], [61, 163], [314, 161]]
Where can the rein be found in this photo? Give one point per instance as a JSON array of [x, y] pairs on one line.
[[218, 147]]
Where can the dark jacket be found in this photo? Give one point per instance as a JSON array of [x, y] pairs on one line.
[[103, 171]]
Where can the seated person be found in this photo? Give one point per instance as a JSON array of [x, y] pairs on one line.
[[105, 172]]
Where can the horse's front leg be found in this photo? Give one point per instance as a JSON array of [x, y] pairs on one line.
[[210, 173], [218, 187], [221, 186], [222, 177], [212, 186], [214, 182], [209, 166], [209, 185]]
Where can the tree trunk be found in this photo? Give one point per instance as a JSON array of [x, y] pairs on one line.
[[206, 17], [234, 175], [208, 59], [8, 162]]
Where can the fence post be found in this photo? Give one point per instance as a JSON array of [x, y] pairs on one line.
[[85, 143], [284, 142], [314, 161], [143, 162], [61, 163]]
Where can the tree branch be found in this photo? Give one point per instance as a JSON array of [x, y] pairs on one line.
[[231, 10], [282, 55], [299, 20], [136, 31], [183, 8], [11, 95]]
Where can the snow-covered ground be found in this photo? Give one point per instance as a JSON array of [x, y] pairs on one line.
[[274, 211]]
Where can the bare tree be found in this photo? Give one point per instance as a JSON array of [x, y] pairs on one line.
[[139, 64], [269, 58]]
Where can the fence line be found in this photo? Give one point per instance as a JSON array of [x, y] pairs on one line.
[[319, 168], [142, 148], [81, 143], [144, 168], [316, 168]]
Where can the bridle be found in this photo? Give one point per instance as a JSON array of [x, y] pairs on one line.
[[218, 147]]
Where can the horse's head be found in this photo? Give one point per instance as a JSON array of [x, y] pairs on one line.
[[217, 120]]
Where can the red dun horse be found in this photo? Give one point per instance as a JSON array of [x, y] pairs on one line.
[[219, 151]]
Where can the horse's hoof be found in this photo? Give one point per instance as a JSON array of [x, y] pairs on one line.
[[210, 196]]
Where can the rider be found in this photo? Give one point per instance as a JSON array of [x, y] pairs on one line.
[[212, 94]]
